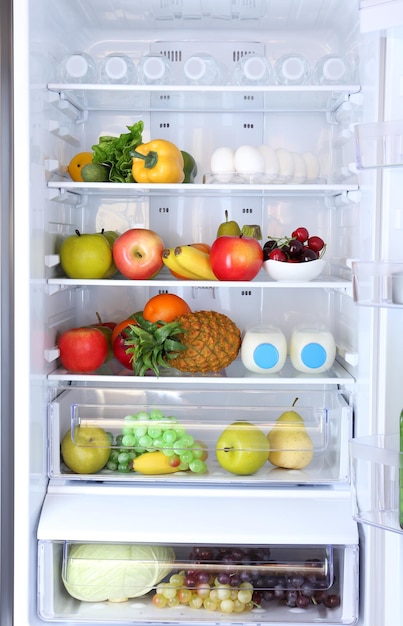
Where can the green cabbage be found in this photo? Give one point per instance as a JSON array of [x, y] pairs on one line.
[[116, 572]]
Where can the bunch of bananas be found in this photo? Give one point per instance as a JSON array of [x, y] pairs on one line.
[[190, 262]]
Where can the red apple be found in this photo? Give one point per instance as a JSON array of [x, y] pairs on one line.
[[137, 253], [236, 257], [82, 349], [119, 351]]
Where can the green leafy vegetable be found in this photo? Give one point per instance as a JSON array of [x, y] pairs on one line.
[[99, 572], [115, 153]]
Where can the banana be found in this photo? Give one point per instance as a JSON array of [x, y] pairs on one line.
[[153, 463], [170, 260], [196, 261]]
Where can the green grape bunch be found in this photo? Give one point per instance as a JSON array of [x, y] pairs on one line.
[[149, 432]]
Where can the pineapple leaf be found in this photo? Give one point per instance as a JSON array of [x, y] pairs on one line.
[[152, 344]]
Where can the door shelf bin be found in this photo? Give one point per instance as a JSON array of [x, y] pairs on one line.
[[133, 583], [203, 417], [378, 284], [379, 144], [377, 481]]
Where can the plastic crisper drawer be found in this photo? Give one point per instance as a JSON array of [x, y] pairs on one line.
[[203, 584], [195, 431], [116, 563], [377, 481]]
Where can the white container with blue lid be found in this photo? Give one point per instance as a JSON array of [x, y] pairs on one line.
[[312, 350], [264, 349]]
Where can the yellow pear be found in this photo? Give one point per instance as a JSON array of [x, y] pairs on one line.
[[290, 445], [291, 449]]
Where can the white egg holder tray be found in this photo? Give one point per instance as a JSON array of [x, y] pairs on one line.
[[204, 416], [258, 179]]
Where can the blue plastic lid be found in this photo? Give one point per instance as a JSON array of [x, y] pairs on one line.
[[265, 355], [313, 355]]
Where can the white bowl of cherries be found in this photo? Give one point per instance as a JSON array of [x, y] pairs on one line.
[[296, 258]]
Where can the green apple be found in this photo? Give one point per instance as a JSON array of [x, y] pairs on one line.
[[89, 452], [110, 236], [242, 448], [85, 255]]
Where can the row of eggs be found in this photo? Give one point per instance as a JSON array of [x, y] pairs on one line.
[[265, 164]]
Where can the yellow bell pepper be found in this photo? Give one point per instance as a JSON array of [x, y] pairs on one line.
[[158, 161]]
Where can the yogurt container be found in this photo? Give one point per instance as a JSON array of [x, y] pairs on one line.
[[312, 351], [264, 350]]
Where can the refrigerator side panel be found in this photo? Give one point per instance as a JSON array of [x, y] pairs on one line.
[[30, 429], [6, 345]]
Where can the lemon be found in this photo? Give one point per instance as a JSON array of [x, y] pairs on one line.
[[77, 163], [95, 173]]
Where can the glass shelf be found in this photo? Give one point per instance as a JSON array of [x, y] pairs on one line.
[[138, 98], [119, 190], [165, 279], [236, 373]]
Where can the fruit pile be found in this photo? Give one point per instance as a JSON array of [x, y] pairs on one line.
[[233, 580], [166, 333], [299, 248], [152, 443]]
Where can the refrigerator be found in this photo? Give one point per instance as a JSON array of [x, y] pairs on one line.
[[102, 548]]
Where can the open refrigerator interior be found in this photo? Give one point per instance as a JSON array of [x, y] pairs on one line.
[[279, 521]]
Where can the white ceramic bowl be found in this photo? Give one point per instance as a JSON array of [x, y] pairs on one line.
[[294, 272]]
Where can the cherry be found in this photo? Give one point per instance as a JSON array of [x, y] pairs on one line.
[[308, 255], [316, 243], [270, 244], [277, 255], [295, 248], [300, 233]]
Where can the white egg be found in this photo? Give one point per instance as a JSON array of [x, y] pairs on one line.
[[222, 164], [270, 162], [285, 163], [299, 168], [248, 160], [312, 166]]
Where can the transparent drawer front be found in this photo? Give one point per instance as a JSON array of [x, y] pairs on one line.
[[212, 437], [379, 144], [209, 584], [377, 480]]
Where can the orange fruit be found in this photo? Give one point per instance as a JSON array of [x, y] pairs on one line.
[[204, 247], [77, 163], [165, 307], [121, 326]]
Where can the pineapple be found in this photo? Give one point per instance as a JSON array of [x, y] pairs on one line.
[[212, 342], [201, 341]]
